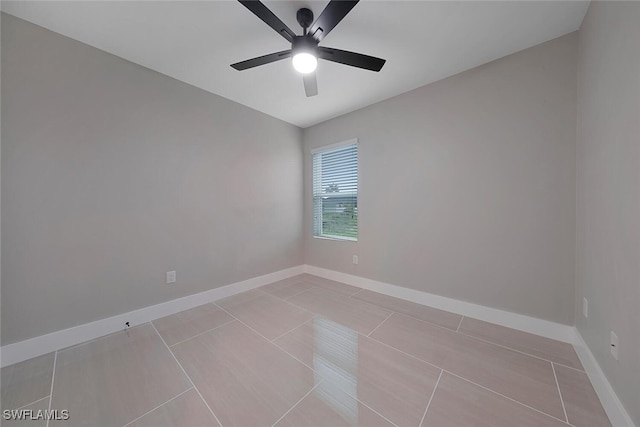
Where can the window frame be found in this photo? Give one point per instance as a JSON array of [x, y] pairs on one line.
[[323, 149]]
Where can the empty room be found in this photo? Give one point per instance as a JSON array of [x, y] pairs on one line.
[[320, 213]]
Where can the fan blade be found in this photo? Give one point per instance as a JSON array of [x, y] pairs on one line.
[[330, 17], [261, 60], [351, 58], [262, 12], [310, 84]]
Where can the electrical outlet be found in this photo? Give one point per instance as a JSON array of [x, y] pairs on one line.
[[171, 277], [613, 342], [585, 307], [355, 259]]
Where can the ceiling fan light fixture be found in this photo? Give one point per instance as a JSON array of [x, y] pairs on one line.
[[304, 62], [305, 54], [304, 48]]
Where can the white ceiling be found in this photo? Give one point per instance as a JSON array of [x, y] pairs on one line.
[[195, 41]]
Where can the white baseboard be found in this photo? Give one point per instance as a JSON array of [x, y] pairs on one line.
[[27, 349], [521, 322], [612, 405], [608, 397]]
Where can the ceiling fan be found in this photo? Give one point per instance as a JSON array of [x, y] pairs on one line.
[[304, 49]]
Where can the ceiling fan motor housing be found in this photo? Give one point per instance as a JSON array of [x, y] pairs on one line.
[[304, 44], [304, 17]]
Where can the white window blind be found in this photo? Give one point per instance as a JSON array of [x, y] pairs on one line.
[[335, 192]]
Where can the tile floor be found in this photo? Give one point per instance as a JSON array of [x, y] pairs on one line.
[[307, 351]]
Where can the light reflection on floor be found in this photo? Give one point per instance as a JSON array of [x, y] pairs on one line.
[[335, 363]]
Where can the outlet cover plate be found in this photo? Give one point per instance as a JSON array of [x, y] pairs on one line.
[[171, 277]]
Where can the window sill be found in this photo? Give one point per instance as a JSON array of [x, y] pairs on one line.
[[339, 239]]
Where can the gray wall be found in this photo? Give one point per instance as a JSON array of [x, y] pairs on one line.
[[467, 185], [608, 191], [0, 179], [113, 174]]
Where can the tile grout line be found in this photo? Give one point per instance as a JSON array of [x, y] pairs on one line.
[[421, 320], [392, 312], [361, 289], [201, 333], [481, 339], [469, 381], [164, 403], [356, 292], [506, 397], [363, 301], [414, 357], [296, 404], [423, 361], [291, 296], [348, 297], [337, 293], [186, 375], [369, 408], [53, 378], [345, 392], [429, 323], [342, 390], [457, 329], [229, 313], [433, 393], [553, 368], [403, 352], [566, 366], [296, 294], [34, 402], [286, 287], [477, 338], [293, 329], [269, 341], [380, 324], [292, 304], [519, 351], [291, 355], [417, 318], [284, 300], [440, 326]]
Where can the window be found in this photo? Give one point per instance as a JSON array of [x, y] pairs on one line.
[[335, 191]]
